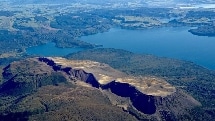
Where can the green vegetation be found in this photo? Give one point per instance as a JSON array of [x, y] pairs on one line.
[[85, 23], [13, 41], [76, 104]]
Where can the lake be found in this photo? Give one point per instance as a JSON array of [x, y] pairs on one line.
[[164, 42], [50, 49], [170, 42]]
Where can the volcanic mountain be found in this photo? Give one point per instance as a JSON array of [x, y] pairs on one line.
[[55, 88]]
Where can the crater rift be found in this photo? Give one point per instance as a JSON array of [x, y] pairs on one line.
[[105, 74], [147, 95]]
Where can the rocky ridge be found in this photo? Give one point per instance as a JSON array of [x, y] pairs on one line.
[[146, 94], [104, 74]]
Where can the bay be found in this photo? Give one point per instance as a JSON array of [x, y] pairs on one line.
[[50, 49]]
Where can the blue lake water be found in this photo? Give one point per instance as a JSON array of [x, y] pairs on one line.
[[49, 49], [164, 42]]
